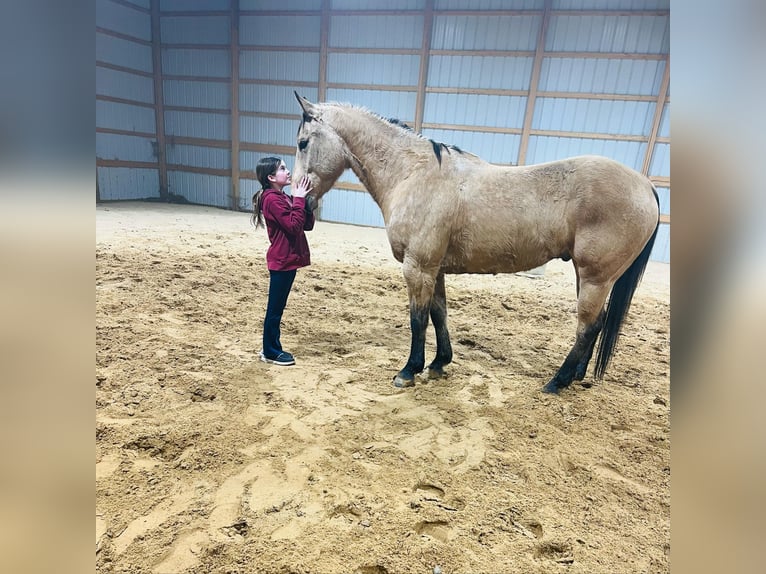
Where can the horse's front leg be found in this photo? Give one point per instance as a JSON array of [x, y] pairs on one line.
[[439, 319], [420, 285]]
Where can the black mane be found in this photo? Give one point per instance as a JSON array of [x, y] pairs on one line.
[[437, 146]]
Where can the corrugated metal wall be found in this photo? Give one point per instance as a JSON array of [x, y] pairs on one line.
[[514, 81]]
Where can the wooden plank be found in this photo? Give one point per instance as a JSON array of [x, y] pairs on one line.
[[425, 48], [324, 41], [124, 133], [101, 162], [200, 170], [195, 46], [122, 36], [134, 71], [533, 83], [234, 204], [479, 91], [471, 128], [124, 101], [383, 88], [657, 117], [605, 55], [225, 80], [197, 110], [159, 112], [132, 6], [589, 135]]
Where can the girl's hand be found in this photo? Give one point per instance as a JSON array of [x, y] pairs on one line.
[[303, 187]]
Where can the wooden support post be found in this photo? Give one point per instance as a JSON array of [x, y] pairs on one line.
[[661, 97], [159, 113], [425, 53], [234, 199]]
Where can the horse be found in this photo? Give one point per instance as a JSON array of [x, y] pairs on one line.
[[449, 211]]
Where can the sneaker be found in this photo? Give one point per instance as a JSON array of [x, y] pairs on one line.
[[283, 359]]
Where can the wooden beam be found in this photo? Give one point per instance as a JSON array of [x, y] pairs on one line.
[[159, 111], [125, 133], [196, 110], [235, 104], [200, 170], [123, 101], [109, 66], [657, 117], [131, 6], [533, 83], [102, 162], [425, 47], [121, 36], [324, 41]]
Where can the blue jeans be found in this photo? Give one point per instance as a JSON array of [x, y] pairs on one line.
[[280, 283]]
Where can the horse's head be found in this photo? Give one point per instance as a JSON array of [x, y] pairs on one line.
[[321, 153]]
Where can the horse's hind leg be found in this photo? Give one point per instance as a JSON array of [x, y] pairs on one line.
[[590, 320], [439, 319]]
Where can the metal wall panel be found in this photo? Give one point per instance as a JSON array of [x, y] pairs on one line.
[[123, 53], [664, 130], [661, 251], [664, 194], [200, 188], [660, 164], [488, 4], [248, 160], [273, 99], [376, 31], [492, 72], [546, 148], [485, 32], [121, 18], [185, 62], [376, 69], [198, 125], [276, 66], [491, 147], [124, 85], [282, 30], [187, 6], [377, 4], [124, 117], [198, 156], [601, 76], [645, 34], [196, 94], [195, 30], [126, 148], [611, 4], [269, 131], [400, 105], [475, 110], [128, 183], [594, 116], [143, 3], [286, 5], [343, 206]]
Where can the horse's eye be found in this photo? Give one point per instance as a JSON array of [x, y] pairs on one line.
[[302, 144]]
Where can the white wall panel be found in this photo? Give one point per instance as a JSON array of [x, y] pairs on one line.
[[494, 72], [376, 31], [187, 5], [280, 30], [475, 110], [549, 148], [346, 206], [195, 30], [664, 130], [611, 4], [601, 76], [123, 19], [491, 147], [270, 131], [185, 62], [645, 34], [594, 116], [485, 32], [660, 164], [125, 148], [664, 194], [199, 156], [273, 99], [200, 188], [661, 251], [196, 94], [124, 85], [286, 5], [198, 125], [399, 105], [124, 117], [488, 4], [292, 66], [377, 4], [376, 69], [123, 53], [128, 183]]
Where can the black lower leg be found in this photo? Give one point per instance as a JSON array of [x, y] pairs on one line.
[[416, 361], [576, 360], [439, 319], [592, 334]]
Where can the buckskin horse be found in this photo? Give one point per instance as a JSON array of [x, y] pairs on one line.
[[449, 211]]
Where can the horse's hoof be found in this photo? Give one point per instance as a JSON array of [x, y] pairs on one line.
[[552, 388], [437, 373], [401, 383]]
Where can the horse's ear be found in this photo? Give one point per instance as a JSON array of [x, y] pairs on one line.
[[306, 106]]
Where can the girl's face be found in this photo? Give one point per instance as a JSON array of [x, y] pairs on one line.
[[282, 178]]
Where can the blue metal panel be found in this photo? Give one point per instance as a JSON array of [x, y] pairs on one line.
[[593, 116], [400, 105], [488, 4], [127, 148], [128, 183], [480, 72], [378, 4], [601, 76], [120, 18], [293, 66], [124, 117], [123, 53], [198, 125], [349, 176], [273, 99], [664, 195], [346, 206], [199, 156], [475, 110], [661, 251], [376, 31], [377, 69], [660, 164], [611, 4], [248, 160], [124, 85], [186, 6], [269, 131], [200, 188], [544, 148], [491, 147], [664, 130], [624, 34], [485, 32], [195, 29], [285, 5], [279, 30], [143, 3], [196, 94], [209, 63]]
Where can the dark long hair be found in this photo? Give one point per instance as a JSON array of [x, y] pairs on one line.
[[266, 166]]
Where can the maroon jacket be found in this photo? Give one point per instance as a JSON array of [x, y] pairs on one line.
[[286, 220]]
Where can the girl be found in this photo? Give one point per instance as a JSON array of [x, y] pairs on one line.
[[286, 220]]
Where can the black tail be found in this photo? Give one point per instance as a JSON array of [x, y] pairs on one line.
[[619, 303]]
